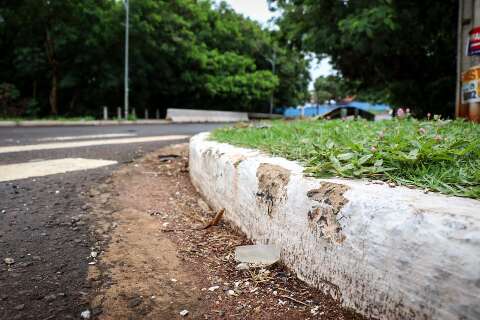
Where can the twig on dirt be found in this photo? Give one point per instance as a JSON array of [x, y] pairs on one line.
[[173, 230], [215, 220], [197, 218], [278, 288], [295, 300], [260, 276]]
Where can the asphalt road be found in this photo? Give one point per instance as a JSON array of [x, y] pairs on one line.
[[45, 243]]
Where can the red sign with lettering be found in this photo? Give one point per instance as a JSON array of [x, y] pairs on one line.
[[474, 42]]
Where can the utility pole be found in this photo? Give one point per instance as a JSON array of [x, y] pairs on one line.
[[127, 14], [273, 62], [468, 61]]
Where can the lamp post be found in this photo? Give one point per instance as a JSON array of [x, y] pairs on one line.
[[127, 13], [273, 62]]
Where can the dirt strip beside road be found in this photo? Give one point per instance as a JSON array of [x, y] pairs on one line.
[[152, 260]]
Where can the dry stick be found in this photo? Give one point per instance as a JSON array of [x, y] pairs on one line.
[[197, 218], [212, 223], [173, 230], [278, 288], [215, 220], [295, 300]]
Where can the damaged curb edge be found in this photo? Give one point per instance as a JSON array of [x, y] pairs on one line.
[[388, 253]]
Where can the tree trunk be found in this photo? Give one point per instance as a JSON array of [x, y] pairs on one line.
[[73, 101], [54, 94], [50, 48], [34, 90]]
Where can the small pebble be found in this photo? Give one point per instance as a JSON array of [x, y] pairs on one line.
[[85, 314], [50, 298], [184, 313]]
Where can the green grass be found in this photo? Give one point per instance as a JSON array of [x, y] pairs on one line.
[[441, 156], [55, 118], [62, 118]]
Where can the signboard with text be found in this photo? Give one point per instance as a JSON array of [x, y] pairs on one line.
[[474, 42], [471, 85]]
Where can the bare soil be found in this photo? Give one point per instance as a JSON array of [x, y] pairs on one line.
[[152, 259]]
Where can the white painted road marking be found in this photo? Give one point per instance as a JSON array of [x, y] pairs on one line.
[[78, 144], [44, 168], [92, 136]]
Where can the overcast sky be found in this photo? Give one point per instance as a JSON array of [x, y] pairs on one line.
[[258, 10], [255, 9]]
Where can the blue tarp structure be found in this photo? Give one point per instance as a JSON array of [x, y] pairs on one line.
[[312, 110]]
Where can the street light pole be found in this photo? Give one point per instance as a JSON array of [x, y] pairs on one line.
[[127, 13], [273, 61]]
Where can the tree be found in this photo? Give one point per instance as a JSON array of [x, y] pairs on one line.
[[51, 39], [66, 57], [331, 87], [401, 49]]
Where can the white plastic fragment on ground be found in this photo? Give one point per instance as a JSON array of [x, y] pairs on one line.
[[85, 314], [259, 254]]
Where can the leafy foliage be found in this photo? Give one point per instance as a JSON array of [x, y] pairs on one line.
[[437, 155], [331, 87], [66, 57], [402, 49]]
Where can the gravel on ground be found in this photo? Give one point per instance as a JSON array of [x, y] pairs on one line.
[[153, 260]]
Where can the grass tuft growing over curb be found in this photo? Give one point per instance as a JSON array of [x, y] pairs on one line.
[[441, 156]]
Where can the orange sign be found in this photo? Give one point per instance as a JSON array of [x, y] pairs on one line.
[[471, 85]]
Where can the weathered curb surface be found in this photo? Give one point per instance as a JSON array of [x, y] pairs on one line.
[[192, 115], [391, 253]]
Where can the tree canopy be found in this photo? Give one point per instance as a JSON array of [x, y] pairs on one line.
[[66, 58], [400, 51], [330, 87]]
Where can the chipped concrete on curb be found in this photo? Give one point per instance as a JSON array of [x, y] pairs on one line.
[[272, 182], [390, 253], [324, 218]]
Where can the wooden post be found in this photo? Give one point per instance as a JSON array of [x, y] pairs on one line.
[[146, 113], [119, 113], [157, 114]]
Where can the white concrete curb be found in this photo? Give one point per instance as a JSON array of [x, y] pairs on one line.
[[192, 115], [391, 253]]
